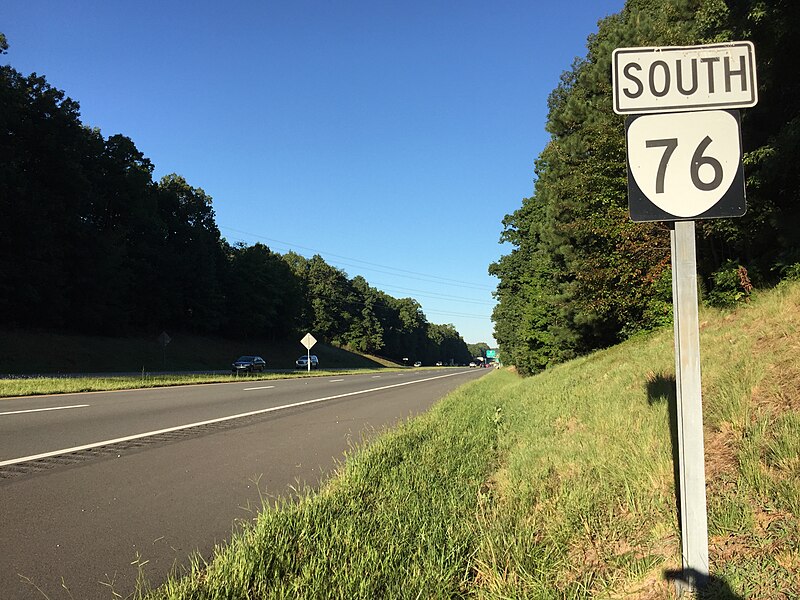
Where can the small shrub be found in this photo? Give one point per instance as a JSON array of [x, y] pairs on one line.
[[730, 286], [792, 272]]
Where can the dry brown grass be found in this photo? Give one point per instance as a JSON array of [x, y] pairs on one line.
[[721, 450]]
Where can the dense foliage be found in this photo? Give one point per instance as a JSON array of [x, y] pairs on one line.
[[581, 275], [90, 243]]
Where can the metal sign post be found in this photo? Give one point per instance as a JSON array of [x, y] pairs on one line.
[[692, 494]]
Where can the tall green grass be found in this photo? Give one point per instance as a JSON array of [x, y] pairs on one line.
[[557, 486], [398, 521]]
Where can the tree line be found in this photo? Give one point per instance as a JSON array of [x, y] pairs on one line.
[[581, 275], [90, 243]]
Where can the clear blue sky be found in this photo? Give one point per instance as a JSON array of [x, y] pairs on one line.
[[389, 137]]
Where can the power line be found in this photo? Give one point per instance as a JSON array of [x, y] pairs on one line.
[[427, 312], [431, 294], [411, 275], [456, 314], [398, 271]]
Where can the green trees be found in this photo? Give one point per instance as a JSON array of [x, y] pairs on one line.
[[50, 204], [478, 349], [581, 275], [89, 243], [263, 296], [190, 251], [352, 314], [366, 331]]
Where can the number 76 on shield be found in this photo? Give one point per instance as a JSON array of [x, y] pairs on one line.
[[685, 164]]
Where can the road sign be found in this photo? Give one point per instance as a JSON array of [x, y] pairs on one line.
[[491, 354], [308, 341], [683, 78], [685, 166]]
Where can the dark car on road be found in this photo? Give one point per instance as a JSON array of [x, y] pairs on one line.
[[248, 364]]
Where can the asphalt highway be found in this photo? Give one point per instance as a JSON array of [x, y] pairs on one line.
[[96, 487]]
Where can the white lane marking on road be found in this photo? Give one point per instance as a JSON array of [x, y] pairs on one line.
[[335, 380], [376, 376], [263, 387], [33, 410], [262, 411]]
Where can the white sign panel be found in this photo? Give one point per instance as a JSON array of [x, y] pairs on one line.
[[308, 341], [684, 165], [682, 78]]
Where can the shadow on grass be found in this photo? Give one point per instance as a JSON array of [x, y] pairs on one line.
[[714, 588], [661, 389]]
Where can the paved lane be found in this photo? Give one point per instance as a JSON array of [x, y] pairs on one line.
[[89, 520], [46, 424]]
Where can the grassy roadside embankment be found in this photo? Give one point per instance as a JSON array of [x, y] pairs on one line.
[[557, 486]]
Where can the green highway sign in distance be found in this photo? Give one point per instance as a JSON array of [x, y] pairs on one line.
[[491, 354]]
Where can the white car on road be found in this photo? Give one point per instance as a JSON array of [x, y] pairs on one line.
[[302, 362]]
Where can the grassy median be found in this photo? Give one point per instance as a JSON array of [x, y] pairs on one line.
[[35, 386], [556, 486]]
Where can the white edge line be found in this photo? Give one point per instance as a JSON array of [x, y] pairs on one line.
[[128, 438], [33, 410], [263, 387]]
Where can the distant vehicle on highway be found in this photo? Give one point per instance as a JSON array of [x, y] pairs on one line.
[[417, 364], [438, 363], [302, 362], [248, 364], [473, 364]]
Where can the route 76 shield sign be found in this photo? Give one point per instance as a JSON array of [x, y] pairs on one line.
[[685, 166]]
